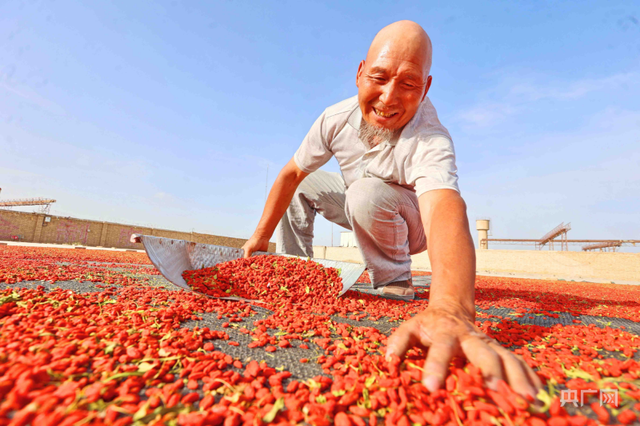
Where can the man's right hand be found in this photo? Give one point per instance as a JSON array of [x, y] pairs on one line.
[[255, 243]]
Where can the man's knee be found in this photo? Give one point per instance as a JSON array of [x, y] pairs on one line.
[[365, 195]]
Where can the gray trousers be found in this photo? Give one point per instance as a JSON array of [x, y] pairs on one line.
[[384, 217]]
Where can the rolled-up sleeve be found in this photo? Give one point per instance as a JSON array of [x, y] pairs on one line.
[[314, 152], [432, 165]]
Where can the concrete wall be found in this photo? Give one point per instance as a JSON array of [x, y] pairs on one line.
[[32, 228], [568, 265]]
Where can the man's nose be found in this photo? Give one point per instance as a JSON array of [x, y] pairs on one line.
[[389, 94]]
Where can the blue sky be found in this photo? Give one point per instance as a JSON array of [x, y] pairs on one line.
[[170, 113]]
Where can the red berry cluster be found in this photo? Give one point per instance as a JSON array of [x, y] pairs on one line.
[[270, 278]]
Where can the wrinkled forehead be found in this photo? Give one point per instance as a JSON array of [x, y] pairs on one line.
[[414, 56]]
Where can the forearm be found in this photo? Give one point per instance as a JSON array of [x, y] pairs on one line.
[[279, 198], [451, 251]]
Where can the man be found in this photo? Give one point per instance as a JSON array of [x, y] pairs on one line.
[[399, 193]]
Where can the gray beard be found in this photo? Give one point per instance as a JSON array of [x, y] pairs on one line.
[[372, 136]]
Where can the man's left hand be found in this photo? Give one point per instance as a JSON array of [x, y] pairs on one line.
[[447, 332]]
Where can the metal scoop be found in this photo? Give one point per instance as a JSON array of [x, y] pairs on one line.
[[173, 257]]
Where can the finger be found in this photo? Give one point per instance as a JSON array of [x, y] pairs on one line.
[[515, 372], [247, 252], [534, 381], [484, 357], [436, 365], [537, 383], [403, 339], [533, 377]]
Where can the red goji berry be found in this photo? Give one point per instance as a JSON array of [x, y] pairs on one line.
[[190, 398], [601, 412], [626, 417], [342, 419]]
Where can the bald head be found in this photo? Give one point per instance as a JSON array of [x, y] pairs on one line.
[[403, 39]]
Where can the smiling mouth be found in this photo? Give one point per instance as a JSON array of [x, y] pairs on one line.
[[383, 114]]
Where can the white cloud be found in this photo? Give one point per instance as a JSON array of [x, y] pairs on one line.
[[487, 114], [514, 94], [529, 92]]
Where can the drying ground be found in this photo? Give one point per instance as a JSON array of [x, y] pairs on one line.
[[98, 337]]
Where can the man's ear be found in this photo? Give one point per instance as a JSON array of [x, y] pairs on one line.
[[426, 90], [359, 74]]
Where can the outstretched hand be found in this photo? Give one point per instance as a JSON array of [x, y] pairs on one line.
[[448, 332]]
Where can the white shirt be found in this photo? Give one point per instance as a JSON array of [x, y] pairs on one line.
[[422, 158]]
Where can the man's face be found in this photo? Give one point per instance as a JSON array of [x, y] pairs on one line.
[[391, 88]]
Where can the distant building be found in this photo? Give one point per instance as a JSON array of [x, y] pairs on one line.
[[348, 239]]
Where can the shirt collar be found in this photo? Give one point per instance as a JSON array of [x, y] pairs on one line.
[[355, 117]]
